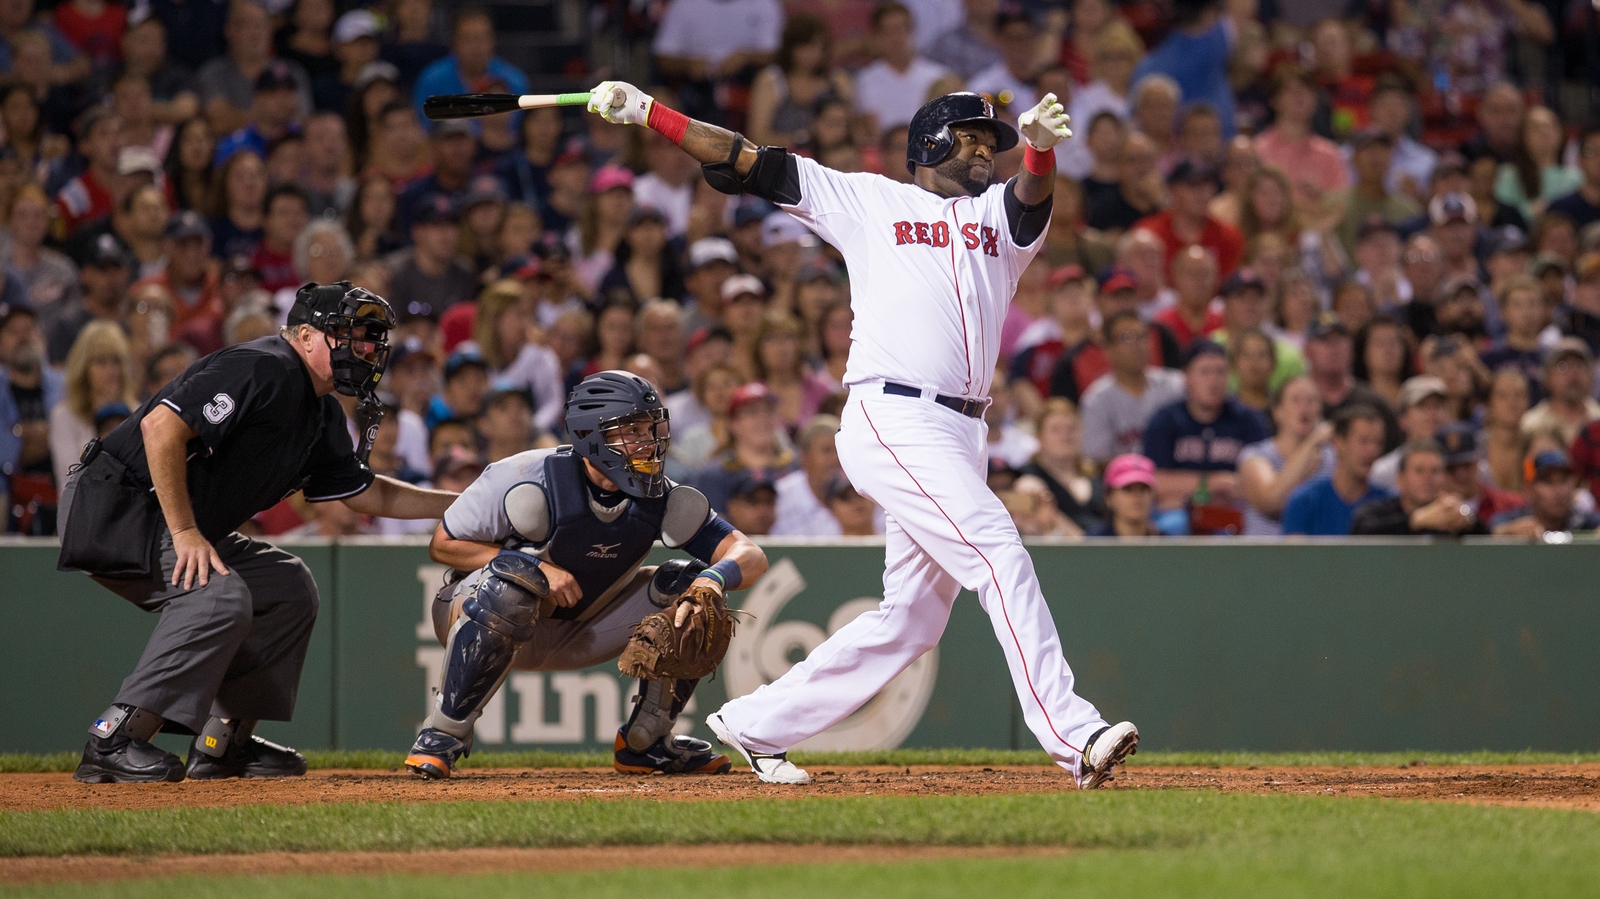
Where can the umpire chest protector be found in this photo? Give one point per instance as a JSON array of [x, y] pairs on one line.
[[597, 552]]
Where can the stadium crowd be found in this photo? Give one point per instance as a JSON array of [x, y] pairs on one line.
[[1305, 275]]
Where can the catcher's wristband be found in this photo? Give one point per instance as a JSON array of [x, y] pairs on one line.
[[669, 122], [727, 573], [1039, 162]]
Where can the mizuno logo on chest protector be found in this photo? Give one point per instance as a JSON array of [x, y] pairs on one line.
[[603, 551]]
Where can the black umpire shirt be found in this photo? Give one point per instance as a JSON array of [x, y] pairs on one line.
[[263, 434]]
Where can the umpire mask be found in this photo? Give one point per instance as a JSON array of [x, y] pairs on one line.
[[618, 423], [355, 322]]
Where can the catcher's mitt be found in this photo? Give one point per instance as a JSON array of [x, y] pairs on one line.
[[661, 647]]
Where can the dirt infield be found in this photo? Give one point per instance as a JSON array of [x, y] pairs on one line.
[[1551, 786], [81, 869]]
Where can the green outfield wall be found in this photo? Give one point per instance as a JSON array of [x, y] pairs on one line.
[[1206, 645]]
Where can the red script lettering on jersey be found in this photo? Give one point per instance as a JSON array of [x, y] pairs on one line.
[[937, 234]]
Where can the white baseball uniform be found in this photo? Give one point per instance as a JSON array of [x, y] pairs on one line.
[[931, 278]]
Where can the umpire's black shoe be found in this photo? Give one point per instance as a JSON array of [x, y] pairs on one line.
[[253, 757], [670, 755], [122, 760]]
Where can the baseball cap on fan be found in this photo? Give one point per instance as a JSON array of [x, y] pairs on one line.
[[780, 228], [743, 285], [707, 250], [1128, 469], [1452, 207], [354, 25]]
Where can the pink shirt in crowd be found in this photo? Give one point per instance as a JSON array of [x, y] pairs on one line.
[[1314, 159]]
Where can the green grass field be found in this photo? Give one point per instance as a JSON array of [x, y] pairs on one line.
[[1144, 843]]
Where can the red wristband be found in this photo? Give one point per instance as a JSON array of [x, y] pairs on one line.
[[1039, 162], [669, 122]]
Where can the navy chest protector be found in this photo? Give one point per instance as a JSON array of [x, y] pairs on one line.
[[596, 552]]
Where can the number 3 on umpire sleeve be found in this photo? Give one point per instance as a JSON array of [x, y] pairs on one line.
[[220, 407]]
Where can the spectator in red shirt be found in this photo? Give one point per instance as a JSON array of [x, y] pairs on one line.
[[189, 277], [1586, 457], [93, 194], [1464, 475], [1194, 277], [1187, 222], [288, 210], [95, 27], [1047, 340]]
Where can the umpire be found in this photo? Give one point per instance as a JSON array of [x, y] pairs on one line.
[[151, 514]]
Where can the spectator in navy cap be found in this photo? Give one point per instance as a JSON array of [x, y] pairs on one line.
[[103, 280], [428, 276], [274, 112], [1201, 434], [1551, 488], [752, 501], [454, 147], [1245, 307], [466, 380], [1465, 473]]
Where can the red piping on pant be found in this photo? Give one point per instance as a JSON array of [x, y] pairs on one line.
[[992, 577]]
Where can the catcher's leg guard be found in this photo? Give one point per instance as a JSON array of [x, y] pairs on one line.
[[645, 744], [655, 709], [498, 617]]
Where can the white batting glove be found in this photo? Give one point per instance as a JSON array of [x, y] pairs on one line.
[[1045, 125], [621, 103]]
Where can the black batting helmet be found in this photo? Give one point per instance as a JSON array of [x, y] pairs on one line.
[[929, 141], [613, 416]]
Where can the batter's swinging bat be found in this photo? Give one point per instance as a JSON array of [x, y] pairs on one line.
[[468, 106]]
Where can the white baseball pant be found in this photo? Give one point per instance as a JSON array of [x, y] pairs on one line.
[[926, 466]]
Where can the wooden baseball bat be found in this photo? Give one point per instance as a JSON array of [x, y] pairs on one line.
[[468, 106]]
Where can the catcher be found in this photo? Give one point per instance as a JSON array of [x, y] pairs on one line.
[[546, 547]]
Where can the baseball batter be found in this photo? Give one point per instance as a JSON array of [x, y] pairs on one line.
[[933, 266]]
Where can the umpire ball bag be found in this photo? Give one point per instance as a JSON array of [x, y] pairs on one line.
[[114, 520]]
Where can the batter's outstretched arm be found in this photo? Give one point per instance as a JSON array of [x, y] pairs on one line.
[[1028, 195], [731, 163]]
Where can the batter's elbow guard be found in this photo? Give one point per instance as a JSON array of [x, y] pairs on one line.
[[507, 599], [775, 176]]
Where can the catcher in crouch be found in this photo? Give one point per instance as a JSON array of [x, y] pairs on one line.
[[546, 547]]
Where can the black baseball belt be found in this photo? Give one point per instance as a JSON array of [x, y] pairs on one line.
[[969, 408]]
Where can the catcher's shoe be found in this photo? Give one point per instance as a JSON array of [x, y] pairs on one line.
[[435, 754], [252, 757], [1104, 751], [670, 755], [123, 760], [770, 767]]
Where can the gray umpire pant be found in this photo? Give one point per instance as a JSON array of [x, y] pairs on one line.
[[231, 649]]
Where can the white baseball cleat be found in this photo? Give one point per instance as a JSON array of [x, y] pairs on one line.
[[772, 768], [1105, 750]]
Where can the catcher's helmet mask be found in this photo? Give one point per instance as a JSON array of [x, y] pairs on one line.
[[618, 423], [929, 139], [356, 323]]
